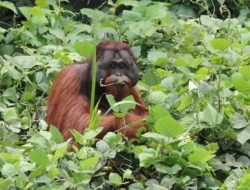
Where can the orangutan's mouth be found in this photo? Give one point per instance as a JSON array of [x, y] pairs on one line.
[[113, 80]]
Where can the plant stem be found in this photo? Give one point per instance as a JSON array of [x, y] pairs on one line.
[[93, 84], [219, 85]]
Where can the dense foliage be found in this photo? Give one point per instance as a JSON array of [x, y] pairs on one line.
[[195, 80]]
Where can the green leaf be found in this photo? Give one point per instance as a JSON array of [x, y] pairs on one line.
[[202, 73], [10, 94], [8, 5], [36, 14], [220, 44], [200, 155], [123, 106], [157, 57], [32, 11], [43, 125], [12, 119], [6, 49], [90, 163], [13, 73], [127, 174], [37, 171], [185, 102], [56, 134], [6, 184], [103, 147], [168, 126], [147, 158], [157, 97], [84, 48], [211, 116], [128, 104], [58, 33], [244, 182], [25, 166], [81, 178], [21, 181], [28, 96], [53, 172], [10, 158], [131, 15], [26, 62], [10, 115], [184, 11], [143, 28], [111, 101], [78, 137], [91, 134], [240, 84], [115, 179], [107, 31], [243, 135], [39, 156], [156, 11], [158, 111], [61, 149], [136, 186], [212, 147], [168, 170], [113, 140], [93, 13], [25, 122], [9, 170], [132, 3], [151, 78], [155, 136], [211, 22], [244, 71], [42, 3], [40, 76], [238, 121]]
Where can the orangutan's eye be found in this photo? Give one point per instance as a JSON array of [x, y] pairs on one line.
[[122, 65], [113, 65]]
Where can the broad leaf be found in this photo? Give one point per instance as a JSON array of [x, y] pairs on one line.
[[200, 155], [39, 156], [156, 11], [56, 135], [168, 126], [211, 116], [90, 163], [238, 121], [244, 71], [10, 115], [6, 184], [42, 3], [220, 44], [9, 170], [240, 83], [243, 135], [8, 5], [115, 179], [131, 16], [157, 97], [84, 48], [151, 78]]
